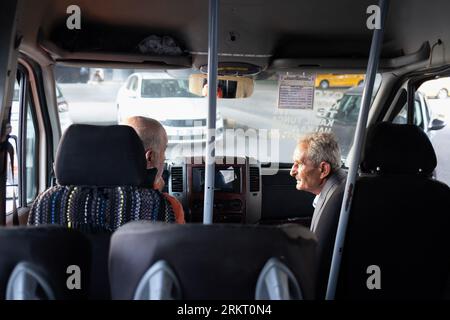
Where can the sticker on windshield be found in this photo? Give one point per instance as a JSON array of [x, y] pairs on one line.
[[296, 91]]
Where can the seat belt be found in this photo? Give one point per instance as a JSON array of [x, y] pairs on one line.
[[15, 214]]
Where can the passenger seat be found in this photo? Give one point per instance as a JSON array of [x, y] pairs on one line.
[[219, 261], [99, 172], [43, 263], [398, 241]]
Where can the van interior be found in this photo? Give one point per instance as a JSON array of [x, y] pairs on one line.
[[73, 72]]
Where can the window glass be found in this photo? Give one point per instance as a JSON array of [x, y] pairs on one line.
[[165, 88], [262, 126], [12, 175], [29, 141], [437, 107], [135, 84], [30, 156], [129, 83], [418, 116], [402, 117]]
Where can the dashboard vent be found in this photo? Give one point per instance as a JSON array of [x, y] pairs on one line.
[[254, 179], [176, 176]]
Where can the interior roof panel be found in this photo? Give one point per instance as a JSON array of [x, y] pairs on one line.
[[272, 28]]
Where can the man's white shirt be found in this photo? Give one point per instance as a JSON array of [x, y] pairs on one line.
[[316, 199]]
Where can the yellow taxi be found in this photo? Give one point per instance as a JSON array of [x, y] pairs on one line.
[[324, 81]]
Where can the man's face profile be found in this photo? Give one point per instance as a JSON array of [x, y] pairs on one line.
[[303, 170]]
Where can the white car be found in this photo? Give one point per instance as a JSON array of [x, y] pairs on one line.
[[168, 100]]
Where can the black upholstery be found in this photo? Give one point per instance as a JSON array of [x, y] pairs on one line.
[[220, 261], [398, 148], [100, 156], [399, 221], [282, 186], [53, 249], [99, 288]]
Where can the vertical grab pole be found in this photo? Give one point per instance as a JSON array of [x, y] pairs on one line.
[[372, 67], [210, 157]]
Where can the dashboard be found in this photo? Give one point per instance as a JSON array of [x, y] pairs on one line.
[[237, 188]]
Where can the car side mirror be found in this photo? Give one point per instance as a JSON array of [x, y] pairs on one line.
[[437, 124]]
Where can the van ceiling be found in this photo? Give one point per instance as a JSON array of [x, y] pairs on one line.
[[253, 31]]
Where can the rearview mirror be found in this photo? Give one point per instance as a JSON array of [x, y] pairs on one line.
[[228, 87]]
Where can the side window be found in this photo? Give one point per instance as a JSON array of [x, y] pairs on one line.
[[426, 110], [30, 155], [402, 116], [129, 83], [435, 99], [22, 137], [418, 117], [12, 172], [134, 84]]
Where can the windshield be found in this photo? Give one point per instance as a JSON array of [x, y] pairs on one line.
[[264, 126], [348, 108]]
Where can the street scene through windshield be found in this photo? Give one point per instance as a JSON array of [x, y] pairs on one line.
[[264, 126]]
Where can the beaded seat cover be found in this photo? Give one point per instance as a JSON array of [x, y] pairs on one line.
[[99, 208]]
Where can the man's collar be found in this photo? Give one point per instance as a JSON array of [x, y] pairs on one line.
[[316, 199], [336, 177]]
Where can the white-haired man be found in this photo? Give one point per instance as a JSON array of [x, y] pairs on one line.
[[317, 169]]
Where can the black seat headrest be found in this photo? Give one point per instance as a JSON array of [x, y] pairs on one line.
[[91, 155], [398, 148]]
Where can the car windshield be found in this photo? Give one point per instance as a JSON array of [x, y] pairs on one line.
[[264, 126], [348, 108], [165, 88]]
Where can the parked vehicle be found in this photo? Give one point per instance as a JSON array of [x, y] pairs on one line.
[[167, 99], [325, 81], [344, 115]]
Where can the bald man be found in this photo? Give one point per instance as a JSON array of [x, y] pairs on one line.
[[154, 139]]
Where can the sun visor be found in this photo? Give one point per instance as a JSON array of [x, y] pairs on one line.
[[423, 54], [99, 44]]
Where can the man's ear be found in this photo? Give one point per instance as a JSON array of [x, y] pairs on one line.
[[325, 169], [149, 155]]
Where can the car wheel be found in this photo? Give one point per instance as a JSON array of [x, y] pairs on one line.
[[324, 84], [442, 94]]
